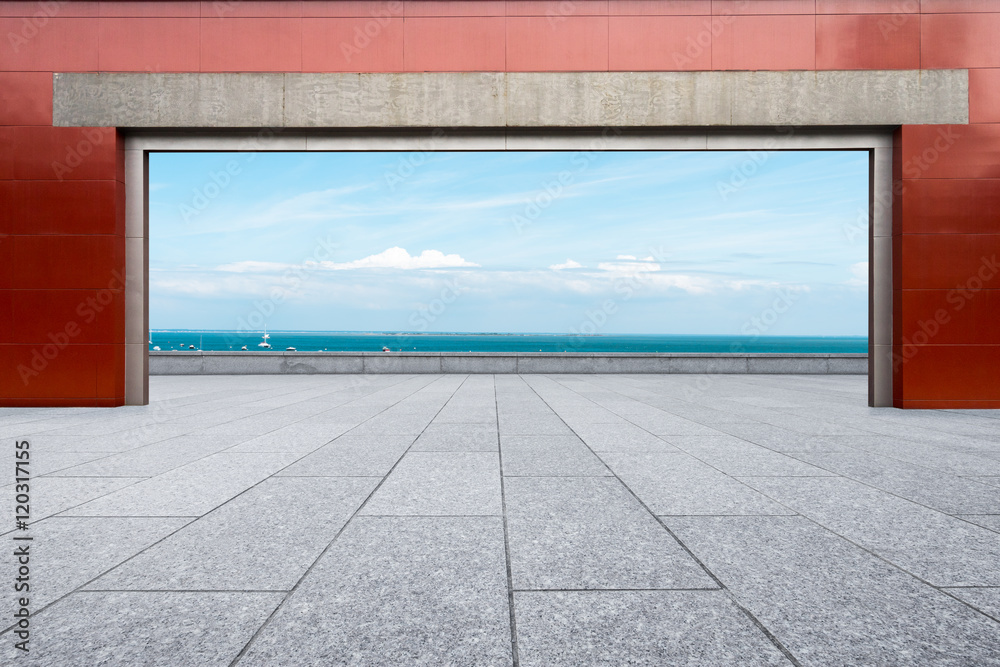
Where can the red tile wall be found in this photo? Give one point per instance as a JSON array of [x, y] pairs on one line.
[[62, 254], [868, 41], [62, 197], [946, 256], [430, 42]]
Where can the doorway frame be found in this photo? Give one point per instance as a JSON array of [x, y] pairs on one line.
[[877, 141]]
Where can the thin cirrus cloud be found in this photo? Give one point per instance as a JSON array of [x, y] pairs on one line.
[[568, 264], [399, 258], [391, 258], [644, 274], [859, 275]]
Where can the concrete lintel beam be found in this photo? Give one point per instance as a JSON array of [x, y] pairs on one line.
[[513, 100]]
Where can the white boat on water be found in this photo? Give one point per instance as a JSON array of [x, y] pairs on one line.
[[264, 344]]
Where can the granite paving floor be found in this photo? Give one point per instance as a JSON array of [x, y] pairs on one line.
[[506, 520]]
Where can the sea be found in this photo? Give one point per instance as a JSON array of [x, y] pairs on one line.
[[402, 341]]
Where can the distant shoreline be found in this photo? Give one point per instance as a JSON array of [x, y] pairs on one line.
[[404, 341]]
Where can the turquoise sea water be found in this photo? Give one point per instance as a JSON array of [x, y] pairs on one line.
[[307, 341]]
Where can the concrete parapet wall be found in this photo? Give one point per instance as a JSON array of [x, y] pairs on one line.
[[278, 363]]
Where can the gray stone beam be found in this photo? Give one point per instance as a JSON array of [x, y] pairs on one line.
[[515, 100]]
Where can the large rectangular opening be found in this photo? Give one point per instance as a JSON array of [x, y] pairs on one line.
[[627, 251], [647, 258]]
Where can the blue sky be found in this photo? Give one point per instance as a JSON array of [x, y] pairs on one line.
[[629, 242]]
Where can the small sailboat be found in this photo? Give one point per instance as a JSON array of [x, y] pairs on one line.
[[264, 344], [244, 348]]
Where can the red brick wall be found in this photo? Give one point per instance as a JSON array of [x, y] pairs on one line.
[[61, 234]]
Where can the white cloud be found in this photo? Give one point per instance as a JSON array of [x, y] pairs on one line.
[[631, 257], [393, 258], [568, 264], [251, 266], [318, 283], [859, 275], [399, 258], [628, 267]]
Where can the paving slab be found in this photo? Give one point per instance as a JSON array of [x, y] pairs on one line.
[[986, 600], [298, 437], [590, 533], [621, 438], [52, 495], [991, 521], [519, 423], [785, 440], [121, 441], [934, 488], [249, 426], [666, 424], [548, 456], [830, 602], [451, 437], [47, 462], [463, 415], [150, 460], [934, 456], [743, 459], [649, 628], [67, 552], [43, 442], [265, 539], [150, 629], [352, 456], [440, 483], [190, 490], [941, 549], [394, 424], [398, 590], [677, 483]]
